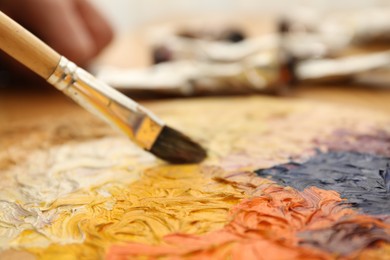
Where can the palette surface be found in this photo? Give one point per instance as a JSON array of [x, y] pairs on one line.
[[285, 179]]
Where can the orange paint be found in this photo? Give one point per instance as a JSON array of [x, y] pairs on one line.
[[264, 226]]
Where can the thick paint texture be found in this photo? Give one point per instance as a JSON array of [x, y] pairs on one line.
[[349, 235], [355, 176], [165, 200], [285, 223], [72, 189], [385, 174], [262, 227], [375, 142]]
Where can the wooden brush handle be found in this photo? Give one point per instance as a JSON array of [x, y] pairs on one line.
[[27, 48]]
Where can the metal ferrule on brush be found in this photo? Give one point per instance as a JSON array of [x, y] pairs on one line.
[[107, 103]]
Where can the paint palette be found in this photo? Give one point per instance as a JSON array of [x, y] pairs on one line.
[[285, 179]]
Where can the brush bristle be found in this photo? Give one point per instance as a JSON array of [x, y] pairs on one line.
[[175, 147]]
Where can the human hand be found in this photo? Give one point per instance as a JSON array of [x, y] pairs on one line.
[[74, 28]]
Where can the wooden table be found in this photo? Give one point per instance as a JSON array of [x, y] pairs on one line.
[[27, 103]]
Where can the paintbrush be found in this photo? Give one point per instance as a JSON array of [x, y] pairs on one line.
[[143, 127]]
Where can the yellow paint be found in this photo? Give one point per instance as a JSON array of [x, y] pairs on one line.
[[110, 205], [165, 200]]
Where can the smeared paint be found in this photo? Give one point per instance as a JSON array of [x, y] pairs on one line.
[[373, 253], [165, 200], [260, 227], [348, 235], [385, 174], [29, 190], [71, 190], [355, 176], [375, 142]]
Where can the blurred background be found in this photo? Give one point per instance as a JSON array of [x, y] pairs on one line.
[[337, 50], [197, 39], [129, 14], [207, 47]]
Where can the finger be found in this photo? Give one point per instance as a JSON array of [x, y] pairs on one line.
[[59, 24], [99, 29]]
